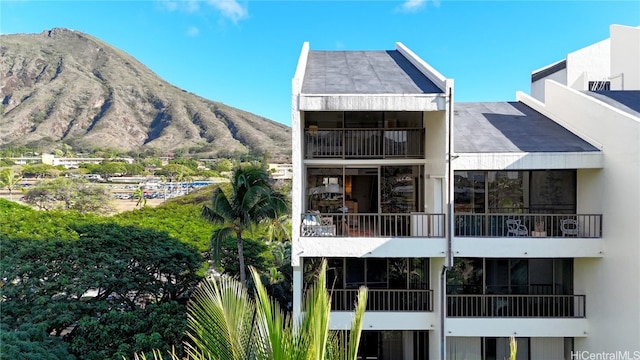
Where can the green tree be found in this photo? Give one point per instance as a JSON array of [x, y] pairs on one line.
[[133, 169], [252, 201], [111, 168], [190, 163], [69, 194], [9, 179], [222, 165], [116, 290], [39, 171], [172, 171]]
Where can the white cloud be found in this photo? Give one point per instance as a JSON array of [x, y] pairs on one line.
[[413, 5], [183, 5], [231, 9], [193, 31]]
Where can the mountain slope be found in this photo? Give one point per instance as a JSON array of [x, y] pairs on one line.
[[66, 86]]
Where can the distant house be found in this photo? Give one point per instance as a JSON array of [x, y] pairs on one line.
[[74, 162], [281, 171]]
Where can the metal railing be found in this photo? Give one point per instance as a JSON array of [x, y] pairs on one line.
[[364, 143], [520, 306], [373, 225], [528, 225], [384, 300]]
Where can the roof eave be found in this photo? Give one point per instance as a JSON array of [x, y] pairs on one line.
[[372, 102], [529, 160]]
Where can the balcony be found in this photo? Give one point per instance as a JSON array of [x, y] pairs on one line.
[[364, 143], [372, 225], [516, 306], [384, 300], [528, 225]]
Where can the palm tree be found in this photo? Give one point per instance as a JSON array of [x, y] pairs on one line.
[[225, 322], [9, 179], [252, 201]]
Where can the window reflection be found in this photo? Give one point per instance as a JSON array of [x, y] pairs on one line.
[[540, 191]]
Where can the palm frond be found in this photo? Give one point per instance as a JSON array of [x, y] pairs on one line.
[[356, 325], [220, 210], [217, 239], [222, 321]]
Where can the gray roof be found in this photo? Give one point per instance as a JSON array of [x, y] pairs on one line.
[[364, 72], [625, 100], [510, 127]]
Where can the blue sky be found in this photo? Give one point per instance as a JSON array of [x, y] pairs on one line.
[[244, 53]]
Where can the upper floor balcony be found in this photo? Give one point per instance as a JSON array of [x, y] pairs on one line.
[[372, 225], [363, 143], [528, 235], [528, 225]]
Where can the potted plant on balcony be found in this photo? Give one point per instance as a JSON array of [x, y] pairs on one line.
[[539, 229]]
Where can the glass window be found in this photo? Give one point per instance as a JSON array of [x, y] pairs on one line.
[[400, 189], [506, 193], [418, 273], [511, 276], [498, 348], [324, 119], [325, 189], [465, 277], [540, 191], [355, 275], [469, 191], [377, 273], [553, 192], [363, 119]]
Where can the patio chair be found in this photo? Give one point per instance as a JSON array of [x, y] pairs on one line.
[[515, 228], [569, 227]]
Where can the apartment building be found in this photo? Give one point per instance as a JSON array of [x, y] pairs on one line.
[[468, 222]]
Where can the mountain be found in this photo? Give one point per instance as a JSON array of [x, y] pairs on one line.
[[64, 86]]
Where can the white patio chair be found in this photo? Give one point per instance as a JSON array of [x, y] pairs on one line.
[[569, 227], [515, 228]]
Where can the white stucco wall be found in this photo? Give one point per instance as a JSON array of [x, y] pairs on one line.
[[610, 283], [524, 327], [537, 87], [592, 61], [528, 247], [625, 57]]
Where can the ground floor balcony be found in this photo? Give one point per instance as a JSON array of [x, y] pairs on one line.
[[384, 300], [497, 347], [372, 225], [516, 306]]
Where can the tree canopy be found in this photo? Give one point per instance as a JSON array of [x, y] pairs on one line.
[[69, 194], [100, 292]]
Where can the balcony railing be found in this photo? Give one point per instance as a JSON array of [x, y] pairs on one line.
[[364, 143], [373, 225], [528, 225], [516, 306], [384, 300]]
